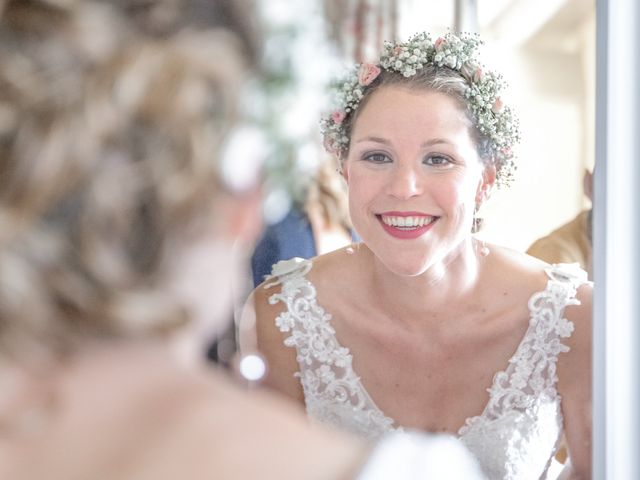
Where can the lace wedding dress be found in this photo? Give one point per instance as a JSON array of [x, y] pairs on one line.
[[516, 435]]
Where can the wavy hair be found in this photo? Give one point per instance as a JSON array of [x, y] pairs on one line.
[[108, 162]]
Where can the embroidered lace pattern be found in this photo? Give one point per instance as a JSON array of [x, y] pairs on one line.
[[517, 433], [333, 392]]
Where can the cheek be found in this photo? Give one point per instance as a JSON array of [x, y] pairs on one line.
[[358, 202], [362, 188], [458, 195]]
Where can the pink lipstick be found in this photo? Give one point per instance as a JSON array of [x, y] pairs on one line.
[[406, 225]]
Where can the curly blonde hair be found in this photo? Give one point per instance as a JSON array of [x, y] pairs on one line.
[[108, 149]]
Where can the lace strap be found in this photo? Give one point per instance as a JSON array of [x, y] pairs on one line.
[[547, 307], [333, 392], [531, 374], [311, 333]]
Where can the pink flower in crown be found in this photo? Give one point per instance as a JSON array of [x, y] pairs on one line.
[[438, 44], [507, 152], [398, 50], [498, 105], [478, 75], [368, 73], [338, 116]]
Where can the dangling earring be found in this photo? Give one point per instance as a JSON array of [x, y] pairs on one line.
[[477, 222], [475, 228], [484, 250]]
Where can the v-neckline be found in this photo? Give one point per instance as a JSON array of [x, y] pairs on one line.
[[394, 424]]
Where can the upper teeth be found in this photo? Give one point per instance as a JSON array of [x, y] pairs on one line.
[[406, 221]]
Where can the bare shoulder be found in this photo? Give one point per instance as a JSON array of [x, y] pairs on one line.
[[518, 259], [514, 266], [516, 269], [340, 269], [221, 431]]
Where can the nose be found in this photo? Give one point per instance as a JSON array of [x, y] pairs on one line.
[[404, 182]]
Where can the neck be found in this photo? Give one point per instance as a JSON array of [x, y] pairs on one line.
[[443, 285]]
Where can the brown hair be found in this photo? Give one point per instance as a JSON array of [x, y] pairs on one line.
[[430, 78]]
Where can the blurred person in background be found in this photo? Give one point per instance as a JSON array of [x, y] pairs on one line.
[[319, 226], [120, 227], [570, 242]]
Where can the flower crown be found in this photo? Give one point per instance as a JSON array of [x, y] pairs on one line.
[[492, 118]]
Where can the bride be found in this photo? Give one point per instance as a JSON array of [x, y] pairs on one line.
[[422, 326]]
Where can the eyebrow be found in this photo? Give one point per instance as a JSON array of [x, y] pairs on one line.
[[374, 139], [435, 141], [428, 143]]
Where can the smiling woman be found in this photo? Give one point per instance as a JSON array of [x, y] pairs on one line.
[[409, 146], [422, 326]]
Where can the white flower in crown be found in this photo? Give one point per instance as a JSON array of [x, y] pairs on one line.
[[459, 53]]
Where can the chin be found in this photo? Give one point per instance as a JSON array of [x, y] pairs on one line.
[[409, 267]]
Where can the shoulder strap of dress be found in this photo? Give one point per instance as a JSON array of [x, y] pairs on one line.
[[568, 273], [563, 284], [302, 318], [326, 372], [548, 322], [532, 369], [286, 270]]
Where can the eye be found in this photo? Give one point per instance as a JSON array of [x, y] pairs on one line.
[[437, 161], [377, 158]]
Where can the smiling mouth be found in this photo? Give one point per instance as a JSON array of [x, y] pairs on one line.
[[407, 223]]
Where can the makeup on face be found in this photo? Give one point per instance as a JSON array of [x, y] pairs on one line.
[[406, 225]]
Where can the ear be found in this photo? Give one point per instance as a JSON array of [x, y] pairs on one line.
[[486, 183], [344, 171]]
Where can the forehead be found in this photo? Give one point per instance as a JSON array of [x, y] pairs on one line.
[[424, 112]]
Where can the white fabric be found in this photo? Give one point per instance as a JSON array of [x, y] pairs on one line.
[[419, 456], [516, 435]]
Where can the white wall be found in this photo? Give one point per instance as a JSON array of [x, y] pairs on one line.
[[546, 90], [552, 88]]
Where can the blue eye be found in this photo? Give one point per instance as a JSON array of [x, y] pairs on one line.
[[437, 161], [377, 158]]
